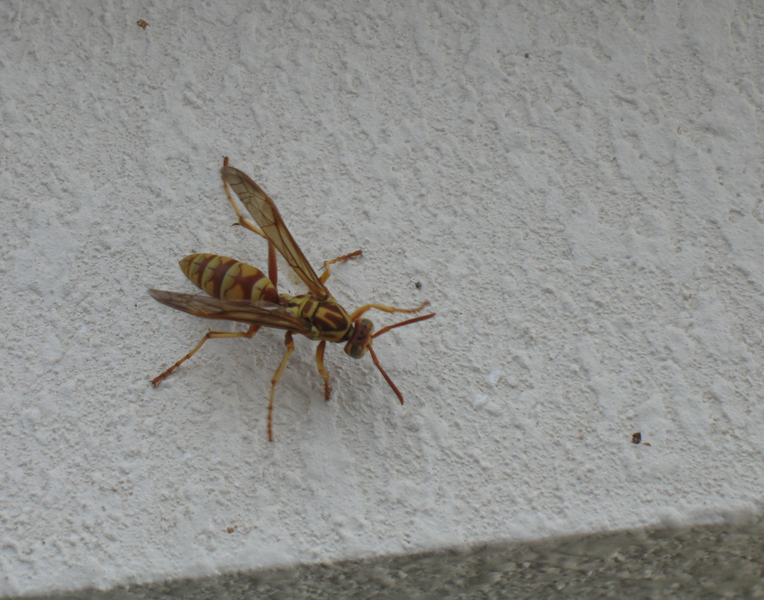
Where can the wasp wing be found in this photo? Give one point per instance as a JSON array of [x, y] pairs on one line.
[[267, 314], [267, 216]]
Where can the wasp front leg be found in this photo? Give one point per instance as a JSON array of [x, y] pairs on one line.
[[208, 336], [389, 309]]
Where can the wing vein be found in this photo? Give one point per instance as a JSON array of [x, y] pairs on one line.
[[242, 311]]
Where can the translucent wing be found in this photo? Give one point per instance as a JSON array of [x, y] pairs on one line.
[[267, 216], [243, 311]]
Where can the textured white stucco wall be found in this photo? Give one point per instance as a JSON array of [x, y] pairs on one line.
[[576, 187]]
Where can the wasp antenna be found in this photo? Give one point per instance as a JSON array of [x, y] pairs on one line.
[[385, 375], [401, 324]]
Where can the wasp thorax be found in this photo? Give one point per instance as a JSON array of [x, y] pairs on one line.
[[360, 338]]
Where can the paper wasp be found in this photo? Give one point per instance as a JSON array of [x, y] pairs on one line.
[[242, 293]]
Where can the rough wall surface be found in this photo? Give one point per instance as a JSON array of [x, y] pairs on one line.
[[575, 186]]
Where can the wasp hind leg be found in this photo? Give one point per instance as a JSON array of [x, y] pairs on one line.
[[247, 224], [289, 341], [208, 336], [327, 273], [243, 221], [322, 369]]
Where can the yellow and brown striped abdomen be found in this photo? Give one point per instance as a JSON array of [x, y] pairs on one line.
[[227, 278]]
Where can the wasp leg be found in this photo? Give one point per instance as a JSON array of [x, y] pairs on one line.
[[247, 224], [325, 275], [322, 368], [273, 268], [209, 335], [290, 348], [243, 221], [389, 309]]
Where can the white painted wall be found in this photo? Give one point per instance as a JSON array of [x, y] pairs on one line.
[[577, 186]]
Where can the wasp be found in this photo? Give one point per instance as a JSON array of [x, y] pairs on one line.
[[239, 292]]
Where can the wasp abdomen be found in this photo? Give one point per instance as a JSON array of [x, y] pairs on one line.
[[227, 278]]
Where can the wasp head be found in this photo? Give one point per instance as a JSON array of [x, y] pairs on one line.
[[360, 338]]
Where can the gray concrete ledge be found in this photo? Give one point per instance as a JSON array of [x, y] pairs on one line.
[[716, 561]]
